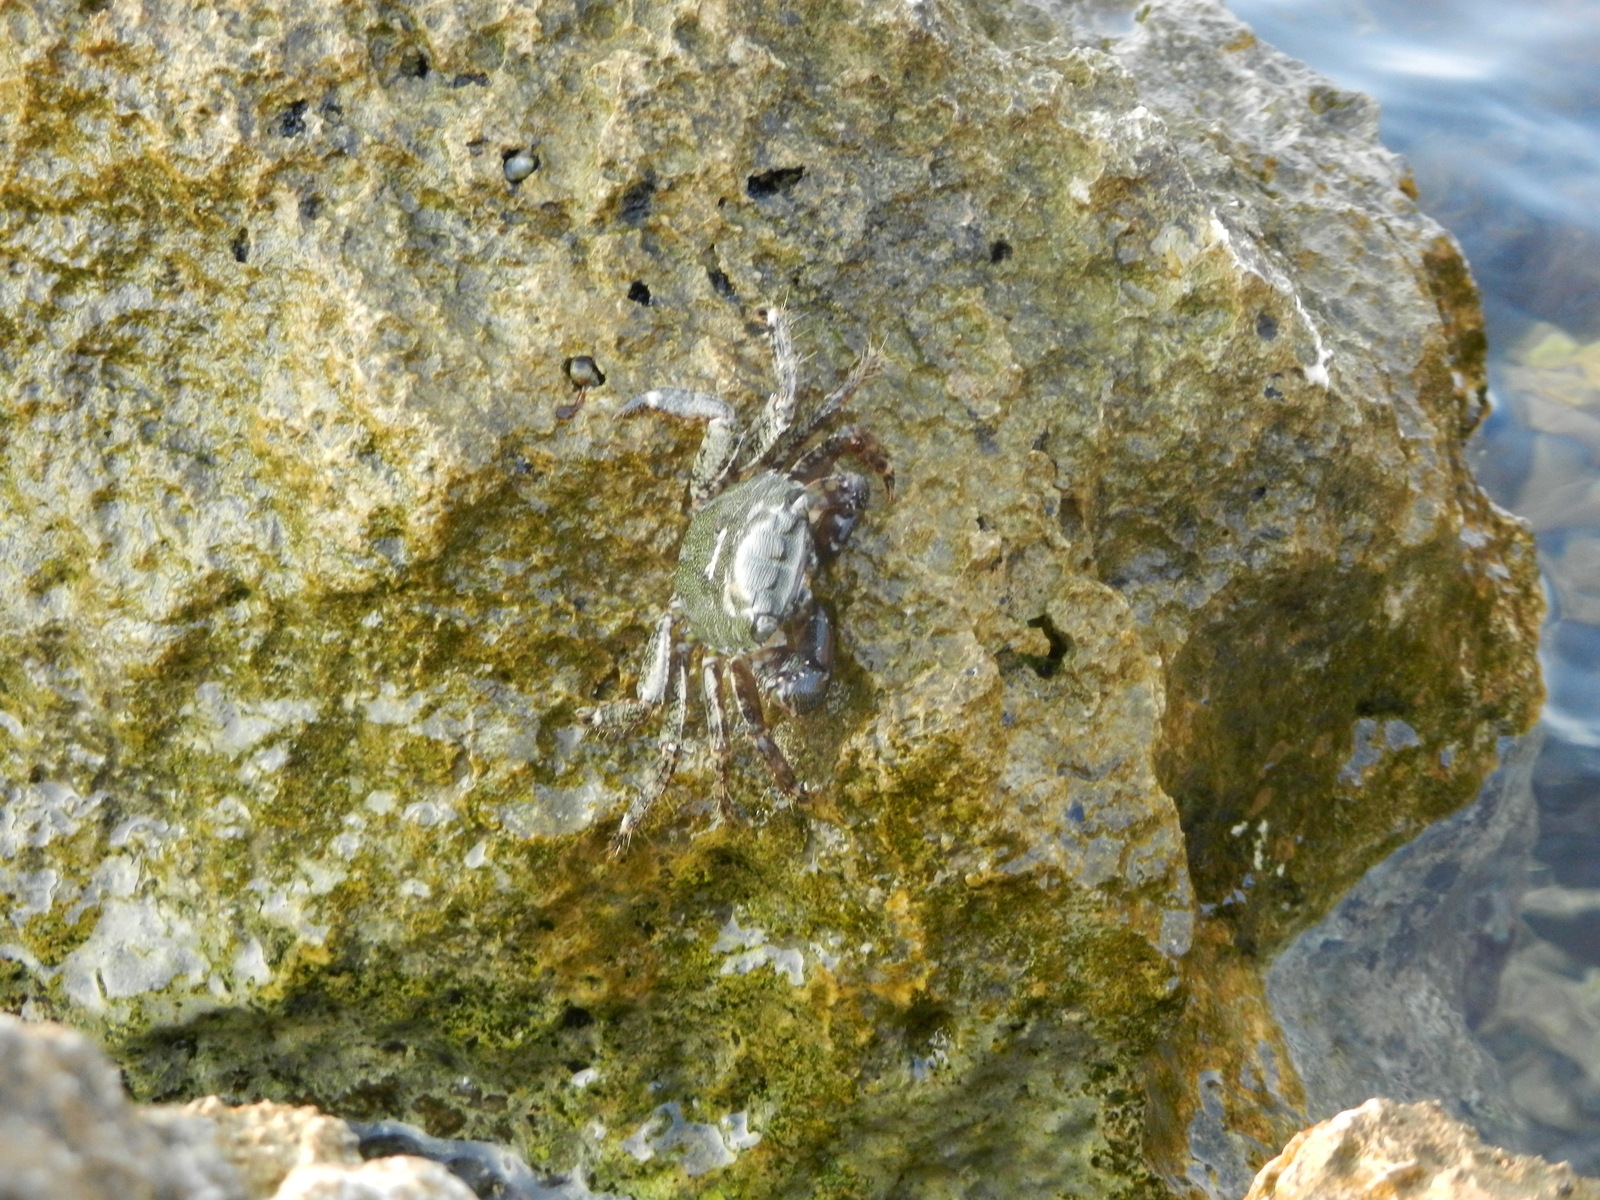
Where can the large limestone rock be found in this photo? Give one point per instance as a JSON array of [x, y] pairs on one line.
[[304, 579]]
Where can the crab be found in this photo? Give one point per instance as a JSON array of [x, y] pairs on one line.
[[769, 508]]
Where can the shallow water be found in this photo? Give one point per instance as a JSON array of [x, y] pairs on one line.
[[1497, 108]]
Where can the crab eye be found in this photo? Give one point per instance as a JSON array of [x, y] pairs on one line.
[[765, 626]]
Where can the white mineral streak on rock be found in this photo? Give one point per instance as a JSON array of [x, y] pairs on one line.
[[149, 832], [136, 946], [236, 726], [250, 967], [389, 707], [747, 950], [558, 811], [1177, 932], [229, 818], [285, 904], [1408, 1152], [35, 892], [36, 814], [426, 813], [705, 1147], [381, 803]]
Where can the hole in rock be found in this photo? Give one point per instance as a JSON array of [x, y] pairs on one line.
[[777, 182]]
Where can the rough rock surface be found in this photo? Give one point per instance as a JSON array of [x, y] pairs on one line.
[[303, 579], [68, 1132], [266, 1141], [1389, 1151]]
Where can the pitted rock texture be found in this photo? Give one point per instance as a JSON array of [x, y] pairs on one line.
[[1389, 1151], [306, 570], [265, 1142]]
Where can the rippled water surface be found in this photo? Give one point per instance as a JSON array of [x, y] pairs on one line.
[[1497, 108]]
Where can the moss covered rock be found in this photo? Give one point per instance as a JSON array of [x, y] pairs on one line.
[[307, 568]]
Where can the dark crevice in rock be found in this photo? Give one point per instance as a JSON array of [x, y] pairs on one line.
[[292, 121], [634, 206], [777, 182], [721, 284]]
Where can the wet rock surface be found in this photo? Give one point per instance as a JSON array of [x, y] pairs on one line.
[[313, 547], [1391, 992]]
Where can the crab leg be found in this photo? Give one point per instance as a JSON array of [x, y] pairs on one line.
[[623, 714], [778, 415], [721, 444], [671, 745], [747, 693], [717, 726], [865, 368]]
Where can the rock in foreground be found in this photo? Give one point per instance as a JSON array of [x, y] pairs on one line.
[[1389, 1151], [67, 1132]]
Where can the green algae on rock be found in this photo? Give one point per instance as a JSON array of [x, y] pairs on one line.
[[305, 579]]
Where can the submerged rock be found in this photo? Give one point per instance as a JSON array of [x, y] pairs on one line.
[[309, 559]]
